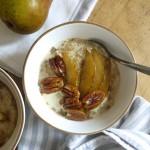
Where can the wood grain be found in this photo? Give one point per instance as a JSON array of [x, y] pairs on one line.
[[130, 19]]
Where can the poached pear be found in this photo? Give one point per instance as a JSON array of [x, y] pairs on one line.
[[87, 74], [24, 16], [71, 72]]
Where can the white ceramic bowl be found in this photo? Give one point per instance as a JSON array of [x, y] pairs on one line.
[[81, 30], [15, 137]]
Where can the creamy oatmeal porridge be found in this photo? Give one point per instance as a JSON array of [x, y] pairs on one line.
[[8, 113], [83, 78]]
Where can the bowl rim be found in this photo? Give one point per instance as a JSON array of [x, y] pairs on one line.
[[53, 28], [18, 93]]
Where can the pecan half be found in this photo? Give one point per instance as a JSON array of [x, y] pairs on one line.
[[70, 102], [58, 66], [93, 99], [76, 114], [70, 91], [50, 84]]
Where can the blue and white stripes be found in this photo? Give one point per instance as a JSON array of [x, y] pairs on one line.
[[37, 135], [132, 132]]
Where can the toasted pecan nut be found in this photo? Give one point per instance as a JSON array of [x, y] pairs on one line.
[[58, 66], [76, 114], [53, 66], [67, 100], [70, 91], [74, 105], [70, 102], [61, 65], [51, 84], [93, 99]]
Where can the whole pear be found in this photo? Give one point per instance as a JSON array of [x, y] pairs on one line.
[[24, 16]]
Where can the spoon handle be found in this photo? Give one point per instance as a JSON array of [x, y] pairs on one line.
[[137, 67], [140, 68]]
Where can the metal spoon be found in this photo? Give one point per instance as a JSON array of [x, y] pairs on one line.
[[138, 67]]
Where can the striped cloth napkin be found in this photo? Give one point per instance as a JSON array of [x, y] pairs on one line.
[[132, 132]]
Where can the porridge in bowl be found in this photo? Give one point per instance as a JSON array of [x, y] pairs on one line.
[[84, 79], [8, 113]]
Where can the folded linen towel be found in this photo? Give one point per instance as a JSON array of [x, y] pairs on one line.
[[14, 47], [132, 132]]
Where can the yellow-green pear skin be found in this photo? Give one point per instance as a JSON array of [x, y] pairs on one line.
[[24, 16]]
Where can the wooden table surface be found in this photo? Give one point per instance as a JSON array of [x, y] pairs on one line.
[[130, 19]]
